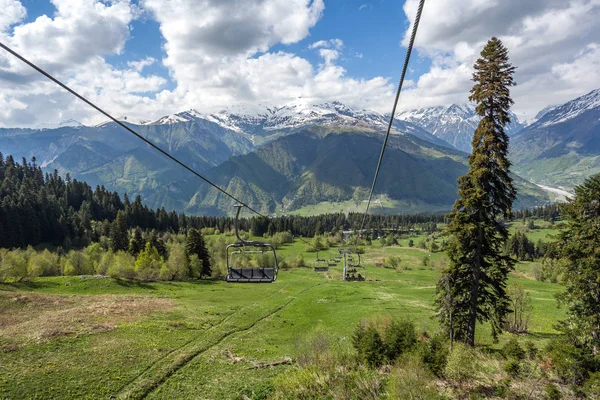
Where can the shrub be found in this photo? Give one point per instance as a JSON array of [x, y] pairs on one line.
[[77, 263], [392, 262], [94, 252], [512, 367], [299, 261], [383, 340], [552, 392], [43, 264], [531, 350], [14, 266], [369, 345], [569, 362], [591, 388], [435, 354], [148, 264], [513, 350], [410, 379], [195, 266], [122, 266], [105, 262], [399, 338], [177, 265], [462, 363]]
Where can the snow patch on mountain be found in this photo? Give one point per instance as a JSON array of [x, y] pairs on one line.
[[571, 109], [455, 123], [68, 123]]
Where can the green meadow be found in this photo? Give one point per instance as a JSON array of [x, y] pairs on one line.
[[96, 337]]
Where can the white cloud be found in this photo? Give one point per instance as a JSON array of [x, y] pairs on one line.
[[12, 12], [541, 36], [327, 44], [220, 57], [72, 45]]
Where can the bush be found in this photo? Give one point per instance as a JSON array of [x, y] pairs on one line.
[[552, 392], [513, 350], [382, 340], [591, 388], [392, 262], [435, 354], [148, 264], [77, 263], [512, 367], [569, 362], [410, 379], [94, 252], [399, 338], [177, 265], [368, 343], [43, 264], [105, 262], [299, 261], [122, 266], [462, 363], [13, 266], [531, 350]]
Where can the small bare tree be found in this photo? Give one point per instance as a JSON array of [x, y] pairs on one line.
[[520, 303]]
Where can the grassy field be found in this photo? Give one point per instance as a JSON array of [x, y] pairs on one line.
[[72, 337]]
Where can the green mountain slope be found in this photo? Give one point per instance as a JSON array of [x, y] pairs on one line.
[[562, 148], [326, 165]]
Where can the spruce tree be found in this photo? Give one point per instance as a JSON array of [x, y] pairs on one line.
[[579, 244], [478, 265], [195, 245], [136, 244], [118, 233]]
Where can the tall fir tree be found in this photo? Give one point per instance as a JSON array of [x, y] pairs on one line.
[[119, 239], [136, 244], [479, 267], [195, 245], [579, 246]]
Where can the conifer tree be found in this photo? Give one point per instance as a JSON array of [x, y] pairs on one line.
[[579, 245], [478, 265], [118, 233], [195, 245], [136, 244]]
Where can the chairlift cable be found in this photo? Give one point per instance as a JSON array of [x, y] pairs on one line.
[[387, 135], [88, 102]]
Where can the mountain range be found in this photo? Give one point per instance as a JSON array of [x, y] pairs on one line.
[[455, 123], [300, 156]]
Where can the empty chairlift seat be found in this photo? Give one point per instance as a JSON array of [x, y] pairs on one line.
[[320, 264], [239, 260]]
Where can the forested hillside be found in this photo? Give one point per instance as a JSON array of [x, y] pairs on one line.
[[47, 208]]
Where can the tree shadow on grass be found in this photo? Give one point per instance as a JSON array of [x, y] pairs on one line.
[[27, 285]]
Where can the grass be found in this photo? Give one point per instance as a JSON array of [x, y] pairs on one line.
[[72, 337]]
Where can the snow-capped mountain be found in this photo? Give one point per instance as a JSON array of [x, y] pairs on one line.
[[264, 120], [455, 123], [562, 148], [570, 110], [68, 123]]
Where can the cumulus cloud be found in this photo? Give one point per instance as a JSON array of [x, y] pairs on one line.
[[220, 55], [548, 40], [12, 12], [72, 44]]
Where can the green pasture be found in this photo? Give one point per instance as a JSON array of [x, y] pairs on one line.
[[209, 339]]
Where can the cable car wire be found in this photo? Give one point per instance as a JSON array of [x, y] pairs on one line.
[[387, 135], [151, 144]]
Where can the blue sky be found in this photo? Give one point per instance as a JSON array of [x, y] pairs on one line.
[[148, 58]]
